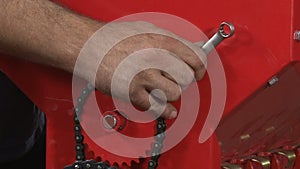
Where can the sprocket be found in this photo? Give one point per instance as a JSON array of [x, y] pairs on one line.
[[89, 132], [93, 151]]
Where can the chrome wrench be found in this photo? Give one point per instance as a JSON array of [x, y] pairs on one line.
[[218, 37]]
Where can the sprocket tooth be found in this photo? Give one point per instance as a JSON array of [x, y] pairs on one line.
[[89, 154], [98, 155]]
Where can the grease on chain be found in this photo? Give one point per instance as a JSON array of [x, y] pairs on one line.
[[82, 163]]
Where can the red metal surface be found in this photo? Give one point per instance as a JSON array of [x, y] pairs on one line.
[[262, 47]]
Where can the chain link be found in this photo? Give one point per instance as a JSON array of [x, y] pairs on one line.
[[82, 163], [158, 143]]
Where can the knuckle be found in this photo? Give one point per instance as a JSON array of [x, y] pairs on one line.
[[137, 98], [183, 74], [187, 78], [174, 93], [199, 68], [133, 89], [147, 76], [139, 102], [200, 74], [198, 64]]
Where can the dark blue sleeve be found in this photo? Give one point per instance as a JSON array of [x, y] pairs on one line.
[[21, 122]]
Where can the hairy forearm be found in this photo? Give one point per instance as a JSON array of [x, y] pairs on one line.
[[44, 32]]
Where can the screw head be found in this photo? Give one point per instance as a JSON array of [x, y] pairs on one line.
[[297, 35], [274, 80], [110, 121]]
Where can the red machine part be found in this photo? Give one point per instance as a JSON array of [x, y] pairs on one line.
[[263, 46]]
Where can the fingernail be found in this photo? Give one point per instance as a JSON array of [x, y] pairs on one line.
[[173, 115]]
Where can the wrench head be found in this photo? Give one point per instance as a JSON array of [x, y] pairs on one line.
[[226, 29]]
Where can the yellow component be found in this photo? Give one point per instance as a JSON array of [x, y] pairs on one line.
[[290, 155], [265, 163]]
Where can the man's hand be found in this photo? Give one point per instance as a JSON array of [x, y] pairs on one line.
[[154, 60]]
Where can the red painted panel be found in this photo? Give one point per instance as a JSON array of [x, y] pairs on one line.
[[261, 48]]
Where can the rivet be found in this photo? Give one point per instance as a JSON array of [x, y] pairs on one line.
[[245, 136], [274, 80], [297, 35]]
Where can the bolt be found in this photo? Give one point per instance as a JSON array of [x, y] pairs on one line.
[[77, 166], [273, 81], [297, 35], [110, 121]]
